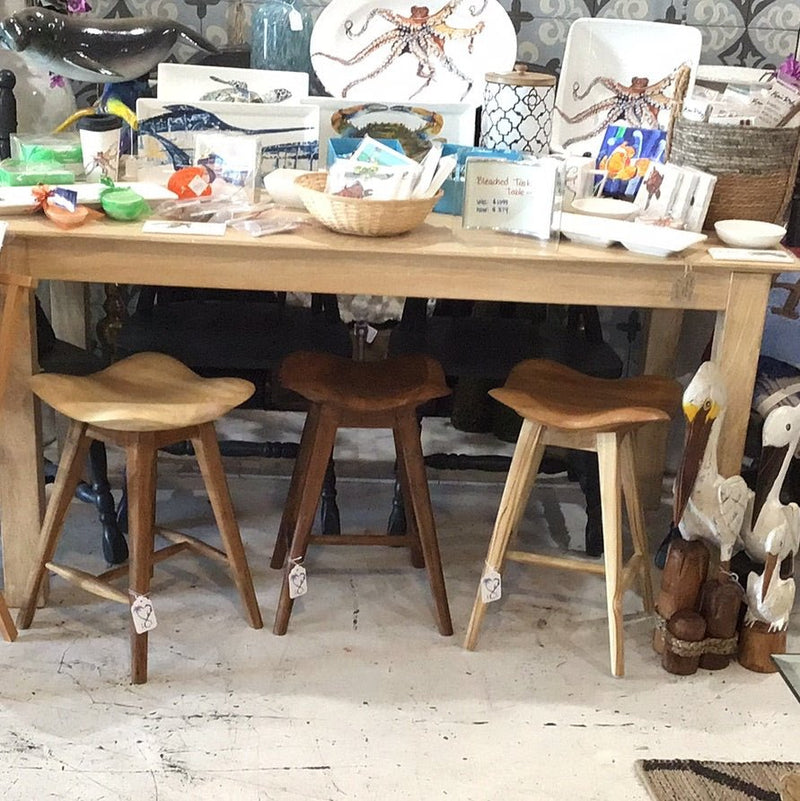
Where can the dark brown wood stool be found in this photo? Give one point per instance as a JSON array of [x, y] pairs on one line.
[[348, 394], [563, 407], [141, 404]]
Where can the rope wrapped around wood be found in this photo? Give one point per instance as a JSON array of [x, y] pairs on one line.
[[722, 646]]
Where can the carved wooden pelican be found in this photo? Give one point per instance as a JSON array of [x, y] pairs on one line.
[[779, 441], [769, 597], [707, 506]]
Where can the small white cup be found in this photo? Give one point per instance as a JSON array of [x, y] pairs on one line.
[[100, 145]]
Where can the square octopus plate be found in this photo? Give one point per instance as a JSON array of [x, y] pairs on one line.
[[618, 70]]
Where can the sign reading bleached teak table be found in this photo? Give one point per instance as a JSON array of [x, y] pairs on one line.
[[439, 259]]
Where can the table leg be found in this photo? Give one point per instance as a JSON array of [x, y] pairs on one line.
[[21, 479], [737, 341], [650, 444]]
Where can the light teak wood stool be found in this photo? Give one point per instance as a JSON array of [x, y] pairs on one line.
[[15, 287], [562, 407], [141, 403], [349, 394]]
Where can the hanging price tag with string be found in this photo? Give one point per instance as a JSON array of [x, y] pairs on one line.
[[491, 585], [143, 614], [295, 20], [298, 580]]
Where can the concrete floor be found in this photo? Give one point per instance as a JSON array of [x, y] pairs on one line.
[[362, 699]]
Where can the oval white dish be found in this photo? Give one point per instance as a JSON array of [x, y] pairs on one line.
[[652, 240]]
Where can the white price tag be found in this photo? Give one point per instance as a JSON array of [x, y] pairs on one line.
[[491, 586], [298, 585], [143, 614], [295, 20], [198, 185]]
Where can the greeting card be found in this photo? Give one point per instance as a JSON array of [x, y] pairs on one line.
[[626, 154]]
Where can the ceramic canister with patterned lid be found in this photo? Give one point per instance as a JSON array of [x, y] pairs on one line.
[[518, 110]]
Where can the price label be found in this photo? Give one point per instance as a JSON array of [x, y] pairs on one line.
[[298, 584], [491, 586], [143, 614], [295, 20]]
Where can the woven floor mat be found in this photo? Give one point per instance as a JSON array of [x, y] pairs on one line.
[[694, 780]]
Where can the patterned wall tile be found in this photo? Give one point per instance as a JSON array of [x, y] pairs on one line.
[[733, 46], [779, 15], [775, 45], [541, 42], [721, 13], [527, 10], [635, 9]]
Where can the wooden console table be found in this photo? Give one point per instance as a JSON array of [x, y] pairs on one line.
[[438, 260]]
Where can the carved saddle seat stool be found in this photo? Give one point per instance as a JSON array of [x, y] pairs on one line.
[[351, 394], [560, 406], [141, 403]]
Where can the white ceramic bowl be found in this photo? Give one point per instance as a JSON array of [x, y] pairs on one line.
[[749, 233], [604, 207]]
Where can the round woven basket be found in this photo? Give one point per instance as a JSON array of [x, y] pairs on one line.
[[360, 216], [755, 167]]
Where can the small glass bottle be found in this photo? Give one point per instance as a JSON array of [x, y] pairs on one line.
[[281, 36]]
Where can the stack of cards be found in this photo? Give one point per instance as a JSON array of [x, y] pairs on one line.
[[675, 197], [378, 172]]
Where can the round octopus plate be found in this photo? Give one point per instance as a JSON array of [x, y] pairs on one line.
[[618, 71], [392, 50]]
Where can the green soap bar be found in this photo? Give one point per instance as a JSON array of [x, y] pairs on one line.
[[67, 154], [121, 203], [18, 173]]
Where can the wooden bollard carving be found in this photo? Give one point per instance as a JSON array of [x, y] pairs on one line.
[[720, 603], [683, 643], [684, 573]]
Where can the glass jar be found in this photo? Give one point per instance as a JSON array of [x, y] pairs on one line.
[[281, 36]]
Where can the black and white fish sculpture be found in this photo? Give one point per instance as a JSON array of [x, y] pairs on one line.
[[239, 92], [94, 49]]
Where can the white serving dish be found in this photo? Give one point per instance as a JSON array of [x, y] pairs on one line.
[[652, 240], [604, 207], [749, 233], [585, 230]]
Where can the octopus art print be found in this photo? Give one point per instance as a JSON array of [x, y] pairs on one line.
[[638, 104], [426, 45]]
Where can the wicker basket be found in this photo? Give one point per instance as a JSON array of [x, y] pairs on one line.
[[359, 216], [755, 167]]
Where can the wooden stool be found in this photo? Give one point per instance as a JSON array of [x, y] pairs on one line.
[[15, 288], [141, 403], [563, 407], [350, 394]]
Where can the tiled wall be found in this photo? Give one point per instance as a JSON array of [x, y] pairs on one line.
[[753, 33]]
